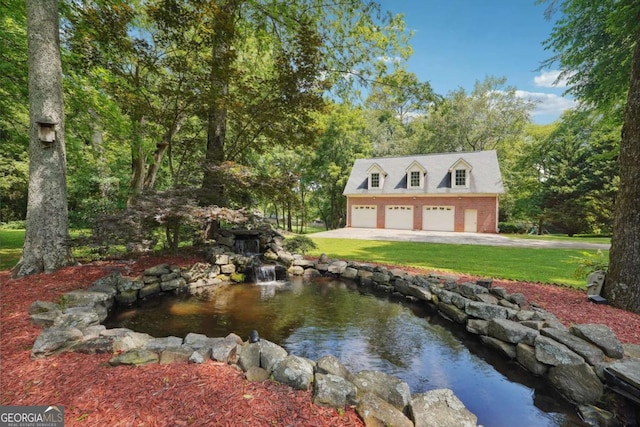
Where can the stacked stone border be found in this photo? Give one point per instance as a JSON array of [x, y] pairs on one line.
[[572, 359]]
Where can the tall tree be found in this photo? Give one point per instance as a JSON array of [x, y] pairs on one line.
[[343, 139], [491, 116], [602, 56], [47, 226], [396, 102], [622, 286]]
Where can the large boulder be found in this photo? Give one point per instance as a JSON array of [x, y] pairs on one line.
[[249, 356], [176, 354], [470, 290], [552, 352], [506, 349], [53, 340], [512, 332], [387, 387], [440, 408], [590, 352], [86, 298], [271, 355], [295, 372], [80, 317], [602, 336], [627, 370], [158, 345], [375, 411], [331, 365], [485, 311], [334, 391], [135, 357], [578, 382], [453, 312], [337, 267], [128, 340], [224, 349], [95, 345], [526, 356]]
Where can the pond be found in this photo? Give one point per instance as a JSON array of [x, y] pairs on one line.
[[328, 316]]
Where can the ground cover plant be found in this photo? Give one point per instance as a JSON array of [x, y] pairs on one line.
[[523, 264]]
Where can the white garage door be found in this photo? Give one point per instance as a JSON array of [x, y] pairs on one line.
[[363, 216], [398, 217], [438, 218]]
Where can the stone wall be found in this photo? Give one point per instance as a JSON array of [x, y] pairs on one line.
[[572, 359]]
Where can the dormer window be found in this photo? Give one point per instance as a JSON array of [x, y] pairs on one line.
[[375, 180], [415, 175], [376, 177], [414, 179], [460, 174]]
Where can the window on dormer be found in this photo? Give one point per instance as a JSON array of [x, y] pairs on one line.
[[461, 178], [375, 180], [414, 179]]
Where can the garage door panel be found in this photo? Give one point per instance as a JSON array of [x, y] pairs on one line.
[[398, 217], [364, 216], [438, 218]]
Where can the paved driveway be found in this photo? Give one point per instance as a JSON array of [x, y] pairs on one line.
[[451, 238]]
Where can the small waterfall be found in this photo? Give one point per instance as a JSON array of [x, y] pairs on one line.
[[246, 247], [265, 273]]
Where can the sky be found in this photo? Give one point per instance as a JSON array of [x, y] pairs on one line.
[[459, 42]]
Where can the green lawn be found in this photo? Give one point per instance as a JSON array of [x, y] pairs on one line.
[[534, 265], [11, 242], [562, 237], [527, 264]]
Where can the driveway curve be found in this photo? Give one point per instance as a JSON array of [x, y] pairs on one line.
[[452, 238]]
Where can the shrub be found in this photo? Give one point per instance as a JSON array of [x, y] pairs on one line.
[[509, 227], [13, 225], [589, 263], [174, 213], [299, 244]]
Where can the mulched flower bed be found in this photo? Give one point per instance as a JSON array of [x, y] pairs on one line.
[[212, 394]]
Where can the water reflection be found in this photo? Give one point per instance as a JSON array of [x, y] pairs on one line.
[[365, 332]]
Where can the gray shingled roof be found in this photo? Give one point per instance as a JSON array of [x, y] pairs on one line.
[[484, 177]]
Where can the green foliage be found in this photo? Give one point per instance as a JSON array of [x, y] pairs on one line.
[[589, 262], [299, 244], [171, 215], [513, 227], [580, 174], [12, 225], [344, 139], [491, 117], [14, 111], [594, 54]]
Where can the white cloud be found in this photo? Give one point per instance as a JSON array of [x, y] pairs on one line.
[[547, 103], [550, 79]]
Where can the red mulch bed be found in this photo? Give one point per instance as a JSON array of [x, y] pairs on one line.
[[212, 394]]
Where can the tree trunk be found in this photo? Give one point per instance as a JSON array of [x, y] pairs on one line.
[[138, 161], [158, 155], [622, 287], [222, 57], [216, 130], [46, 241]]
